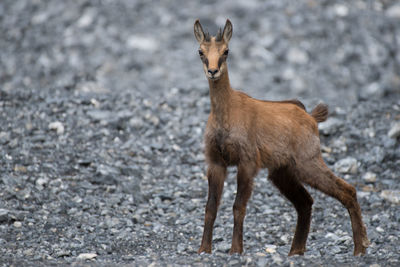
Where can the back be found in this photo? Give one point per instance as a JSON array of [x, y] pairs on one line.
[[284, 130]]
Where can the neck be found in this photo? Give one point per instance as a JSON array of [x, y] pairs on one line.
[[220, 95]]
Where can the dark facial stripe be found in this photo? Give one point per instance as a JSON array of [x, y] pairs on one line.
[[221, 60], [206, 62]]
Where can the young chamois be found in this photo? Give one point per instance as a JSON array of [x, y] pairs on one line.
[[278, 135]]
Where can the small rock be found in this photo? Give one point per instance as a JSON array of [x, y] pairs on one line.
[[57, 126], [330, 126], [372, 90], [100, 115], [17, 224], [298, 85], [142, 43], [270, 249], [297, 56], [233, 262], [224, 246], [86, 19], [391, 196], [136, 122], [62, 253], [4, 138], [332, 236], [4, 215], [394, 132], [369, 177], [277, 259], [367, 189], [393, 11], [181, 248], [341, 10], [29, 252], [91, 87], [19, 168], [388, 142], [41, 182], [87, 256], [347, 165]]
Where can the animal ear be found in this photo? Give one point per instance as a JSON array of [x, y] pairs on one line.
[[198, 31], [227, 34]]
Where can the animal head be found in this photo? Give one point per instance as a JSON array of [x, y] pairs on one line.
[[213, 50]]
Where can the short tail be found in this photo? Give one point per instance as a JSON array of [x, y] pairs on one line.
[[320, 112]]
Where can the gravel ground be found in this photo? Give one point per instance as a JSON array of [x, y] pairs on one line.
[[103, 106]]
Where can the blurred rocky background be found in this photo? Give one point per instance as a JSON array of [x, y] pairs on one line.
[[103, 105]]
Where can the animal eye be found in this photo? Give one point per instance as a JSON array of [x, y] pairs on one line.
[[201, 53], [226, 52]]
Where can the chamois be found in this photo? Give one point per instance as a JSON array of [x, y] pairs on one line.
[[253, 134]]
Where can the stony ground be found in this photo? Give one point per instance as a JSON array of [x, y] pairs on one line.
[[103, 106]]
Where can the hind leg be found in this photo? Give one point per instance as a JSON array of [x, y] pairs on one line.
[[319, 176], [295, 192]]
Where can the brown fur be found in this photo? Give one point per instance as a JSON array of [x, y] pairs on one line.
[[253, 134]]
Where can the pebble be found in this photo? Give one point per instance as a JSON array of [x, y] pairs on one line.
[[347, 165], [86, 19], [394, 131], [369, 177], [41, 182], [270, 249], [4, 138], [141, 42], [330, 126], [4, 215], [297, 56], [91, 87], [391, 196], [17, 224], [277, 259], [86, 256], [57, 126], [341, 10], [393, 11]]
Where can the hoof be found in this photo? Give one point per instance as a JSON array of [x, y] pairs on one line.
[[360, 251], [235, 251], [204, 250], [296, 252]]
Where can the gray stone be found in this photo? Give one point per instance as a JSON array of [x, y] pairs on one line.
[[141, 42], [91, 87], [330, 126], [391, 196], [100, 115], [57, 126], [369, 177], [347, 165], [297, 56], [4, 215], [17, 224], [4, 138], [394, 131], [393, 11], [86, 256]]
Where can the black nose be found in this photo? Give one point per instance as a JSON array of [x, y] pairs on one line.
[[212, 71]]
